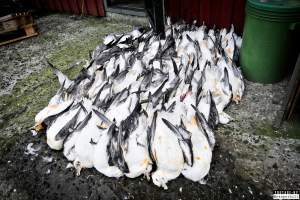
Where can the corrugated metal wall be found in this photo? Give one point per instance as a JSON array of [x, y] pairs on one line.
[[89, 7], [221, 13]]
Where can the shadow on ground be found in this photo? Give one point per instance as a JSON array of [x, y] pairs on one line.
[[34, 177]]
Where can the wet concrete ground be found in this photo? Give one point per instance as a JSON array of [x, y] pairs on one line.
[[252, 157]]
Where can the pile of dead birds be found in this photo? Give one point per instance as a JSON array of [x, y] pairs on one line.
[[144, 105]]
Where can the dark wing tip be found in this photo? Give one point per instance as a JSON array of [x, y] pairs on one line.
[[175, 68], [102, 117], [172, 128]]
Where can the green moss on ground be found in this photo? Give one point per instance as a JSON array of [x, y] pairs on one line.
[[293, 128], [267, 129], [32, 93]]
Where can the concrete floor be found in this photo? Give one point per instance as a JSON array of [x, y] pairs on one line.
[[252, 157]]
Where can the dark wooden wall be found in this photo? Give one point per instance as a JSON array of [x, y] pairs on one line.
[[89, 7], [221, 13]]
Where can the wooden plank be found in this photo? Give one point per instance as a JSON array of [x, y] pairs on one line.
[[14, 15], [28, 31], [17, 39], [293, 104], [16, 28], [6, 30], [7, 17], [293, 92], [14, 22]]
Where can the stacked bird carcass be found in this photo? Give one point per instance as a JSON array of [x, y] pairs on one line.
[[145, 105]]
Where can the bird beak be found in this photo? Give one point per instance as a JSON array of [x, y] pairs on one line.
[[38, 127], [236, 99], [194, 120], [102, 126]]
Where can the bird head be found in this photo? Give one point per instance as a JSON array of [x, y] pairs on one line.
[[38, 127]]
